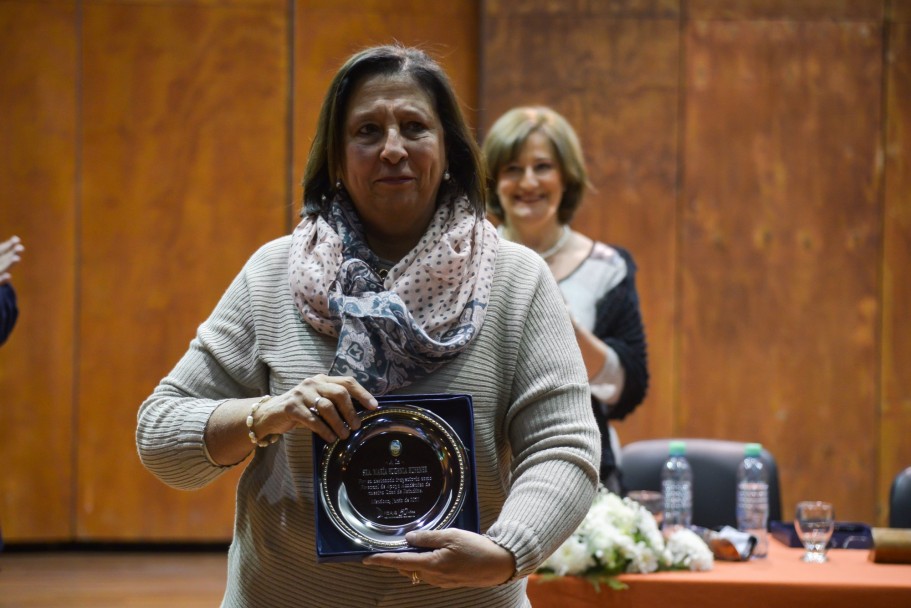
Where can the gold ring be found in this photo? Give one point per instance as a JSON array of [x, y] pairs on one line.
[[415, 579]]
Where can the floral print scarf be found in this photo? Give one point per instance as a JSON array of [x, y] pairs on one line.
[[392, 330]]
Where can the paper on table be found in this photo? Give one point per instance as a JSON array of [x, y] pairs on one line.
[[728, 544]]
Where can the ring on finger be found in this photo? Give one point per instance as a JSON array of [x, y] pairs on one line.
[[314, 409], [415, 578]]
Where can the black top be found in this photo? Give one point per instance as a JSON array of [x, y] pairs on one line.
[[618, 322], [8, 311]]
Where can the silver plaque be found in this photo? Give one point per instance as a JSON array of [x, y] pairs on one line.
[[405, 469]]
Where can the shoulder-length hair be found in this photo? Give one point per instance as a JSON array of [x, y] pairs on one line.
[[504, 143], [327, 151]]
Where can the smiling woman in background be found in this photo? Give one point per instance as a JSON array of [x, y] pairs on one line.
[[537, 178], [393, 279]]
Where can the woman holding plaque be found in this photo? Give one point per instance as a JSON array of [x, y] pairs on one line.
[[393, 283], [537, 178]]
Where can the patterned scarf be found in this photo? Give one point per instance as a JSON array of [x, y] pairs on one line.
[[428, 308]]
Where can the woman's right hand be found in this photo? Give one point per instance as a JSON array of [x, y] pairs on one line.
[[324, 404]]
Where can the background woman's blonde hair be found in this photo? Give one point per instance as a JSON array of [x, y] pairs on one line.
[[509, 133]]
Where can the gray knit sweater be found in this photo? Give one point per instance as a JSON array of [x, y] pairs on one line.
[[536, 441]]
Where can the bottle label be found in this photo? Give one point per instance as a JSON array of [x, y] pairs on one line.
[[753, 513], [678, 499], [751, 495]]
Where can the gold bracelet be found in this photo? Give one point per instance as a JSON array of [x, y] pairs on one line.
[[270, 439]]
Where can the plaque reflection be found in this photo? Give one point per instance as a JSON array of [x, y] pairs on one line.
[[404, 469]]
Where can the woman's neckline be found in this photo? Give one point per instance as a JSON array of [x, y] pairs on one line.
[[551, 251]]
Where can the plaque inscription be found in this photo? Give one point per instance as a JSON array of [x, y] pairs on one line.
[[404, 469], [396, 489]]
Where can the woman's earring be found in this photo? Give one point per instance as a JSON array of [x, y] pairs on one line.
[[446, 176], [338, 184]]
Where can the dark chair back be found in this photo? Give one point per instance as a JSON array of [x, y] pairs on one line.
[[900, 500], [714, 463]]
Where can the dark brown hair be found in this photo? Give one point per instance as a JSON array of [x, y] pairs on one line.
[[327, 150]]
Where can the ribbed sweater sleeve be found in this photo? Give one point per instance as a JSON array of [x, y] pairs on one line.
[[551, 429], [221, 364]]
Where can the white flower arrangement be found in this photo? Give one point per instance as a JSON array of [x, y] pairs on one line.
[[618, 535]]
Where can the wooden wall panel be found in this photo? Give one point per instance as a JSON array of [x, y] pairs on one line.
[[771, 219], [184, 176], [612, 70], [37, 202], [894, 448], [181, 160], [801, 10], [329, 31], [781, 246]]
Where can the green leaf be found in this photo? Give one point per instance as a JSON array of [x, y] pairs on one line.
[[611, 581]]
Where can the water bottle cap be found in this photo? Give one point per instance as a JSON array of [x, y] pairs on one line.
[[752, 449], [677, 448]]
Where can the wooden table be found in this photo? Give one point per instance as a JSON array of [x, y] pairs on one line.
[[780, 581]]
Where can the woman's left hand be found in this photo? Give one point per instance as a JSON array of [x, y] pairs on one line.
[[457, 558]]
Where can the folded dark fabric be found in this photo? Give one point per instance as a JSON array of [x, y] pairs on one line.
[[847, 535]]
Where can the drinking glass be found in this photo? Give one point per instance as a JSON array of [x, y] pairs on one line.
[[651, 500], [814, 522]]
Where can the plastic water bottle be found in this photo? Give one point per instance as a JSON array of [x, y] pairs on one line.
[[753, 498], [677, 487]]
